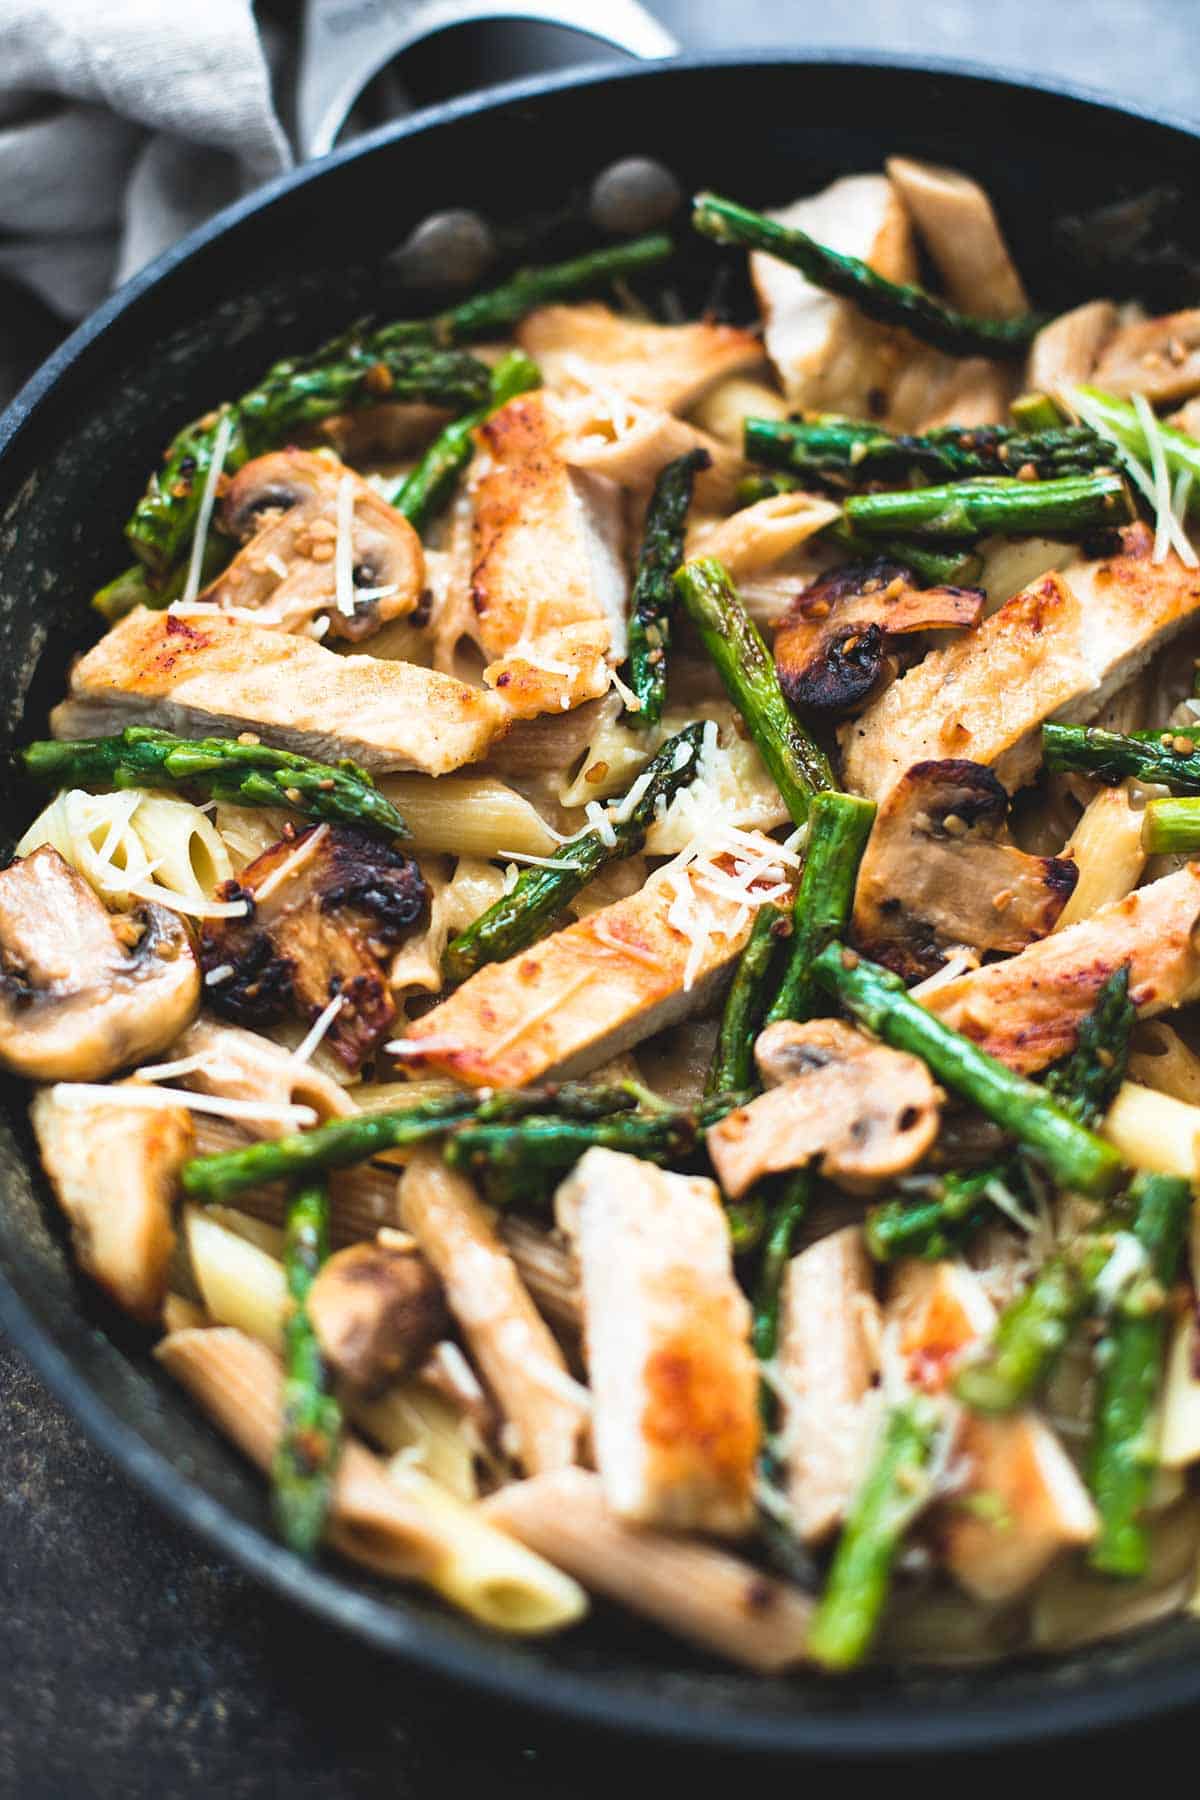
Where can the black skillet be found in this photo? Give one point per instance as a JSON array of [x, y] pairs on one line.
[[276, 272]]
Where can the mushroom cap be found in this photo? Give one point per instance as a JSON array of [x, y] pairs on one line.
[[83, 992], [377, 1312]]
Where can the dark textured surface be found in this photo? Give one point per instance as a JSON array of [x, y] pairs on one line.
[[133, 1663]]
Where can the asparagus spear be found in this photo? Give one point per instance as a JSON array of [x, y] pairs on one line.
[[891, 303], [798, 766], [334, 1146], [957, 566], [221, 768], [935, 1226], [1171, 827], [732, 1065], [1130, 1359], [352, 371], [787, 1213], [426, 490], [522, 1151], [1033, 1331], [1086, 1081], [652, 604], [1074, 1156], [1118, 420], [491, 314], [305, 1460], [1169, 757], [839, 826], [896, 1487], [136, 586], [541, 893], [1035, 412], [848, 453], [1004, 505]]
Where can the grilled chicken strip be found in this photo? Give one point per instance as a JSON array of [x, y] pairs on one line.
[[1057, 650], [114, 1169], [829, 1324], [548, 585], [862, 1112], [1035, 1505], [1027, 1010], [222, 676], [588, 992], [673, 1378], [663, 366], [288, 509], [85, 992], [327, 907]]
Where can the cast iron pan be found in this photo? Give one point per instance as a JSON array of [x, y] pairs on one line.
[[300, 259]]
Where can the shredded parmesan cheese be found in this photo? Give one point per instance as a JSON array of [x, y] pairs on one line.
[[221, 973], [290, 864], [320, 1026], [629, 699], [343, 553], [221, 439], [84, 1093]]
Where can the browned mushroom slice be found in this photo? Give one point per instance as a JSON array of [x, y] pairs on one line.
[[861, 1112], [85, 992], [937, 872], [1159, 358], [326, 908], [287, 509], [833, 650], [377, 1312]]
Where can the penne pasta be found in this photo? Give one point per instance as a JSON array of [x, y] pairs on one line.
[[240, 1283], [692, 1589], [1106, 847], [519, 1359], [398, 1523], [1160, 1059], [468, 816], [1155, 1131], [123, 840], [422, 1430]]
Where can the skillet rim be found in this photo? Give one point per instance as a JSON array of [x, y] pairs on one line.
[[884, 1724]]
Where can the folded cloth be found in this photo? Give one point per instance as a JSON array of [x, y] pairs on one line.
[[121, 126]]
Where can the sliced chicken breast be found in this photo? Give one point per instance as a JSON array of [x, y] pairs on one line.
[[665, 366], [1057, 650], [673, 1378], [220, 677], [548, 582], [1027, 1011]]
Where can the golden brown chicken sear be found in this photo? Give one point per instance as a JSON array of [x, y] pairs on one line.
[[286, 510], [85, 992], [841, 642], [326, 907], [937, 872]]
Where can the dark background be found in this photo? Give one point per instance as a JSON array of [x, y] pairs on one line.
[[133, 1663]]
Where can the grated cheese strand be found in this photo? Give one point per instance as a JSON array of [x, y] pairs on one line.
[[320, 1025], [221, 437], [84, 1093], [290, 864], [343, 553]]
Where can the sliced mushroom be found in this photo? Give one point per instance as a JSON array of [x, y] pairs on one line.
[[113, 1169], [377, 1313], [284, 508], [1065, 352], [834, 649], [326, 907], [85, 992], [937, 872], [1159, 358], [861, 1112]]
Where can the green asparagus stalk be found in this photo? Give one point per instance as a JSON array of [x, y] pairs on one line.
[[1074, 1156], [937, 1225], [541, 893], [337, 1145], [1035, 412], [303, 1467], [787, 1213], [959, 566], [839, 826], [1130, 1358], [135, 586], [1033, 1331], [1117, 419], [353, 371], [491, 314], [1171, 827], [1004, 506], [652, 605], [1085, 1083], [798, 767], [220, 768], [897, 1486], [426, 490], [1169, 757], [889, 302], [850, 454], [523, 1150], [732, 1065]]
